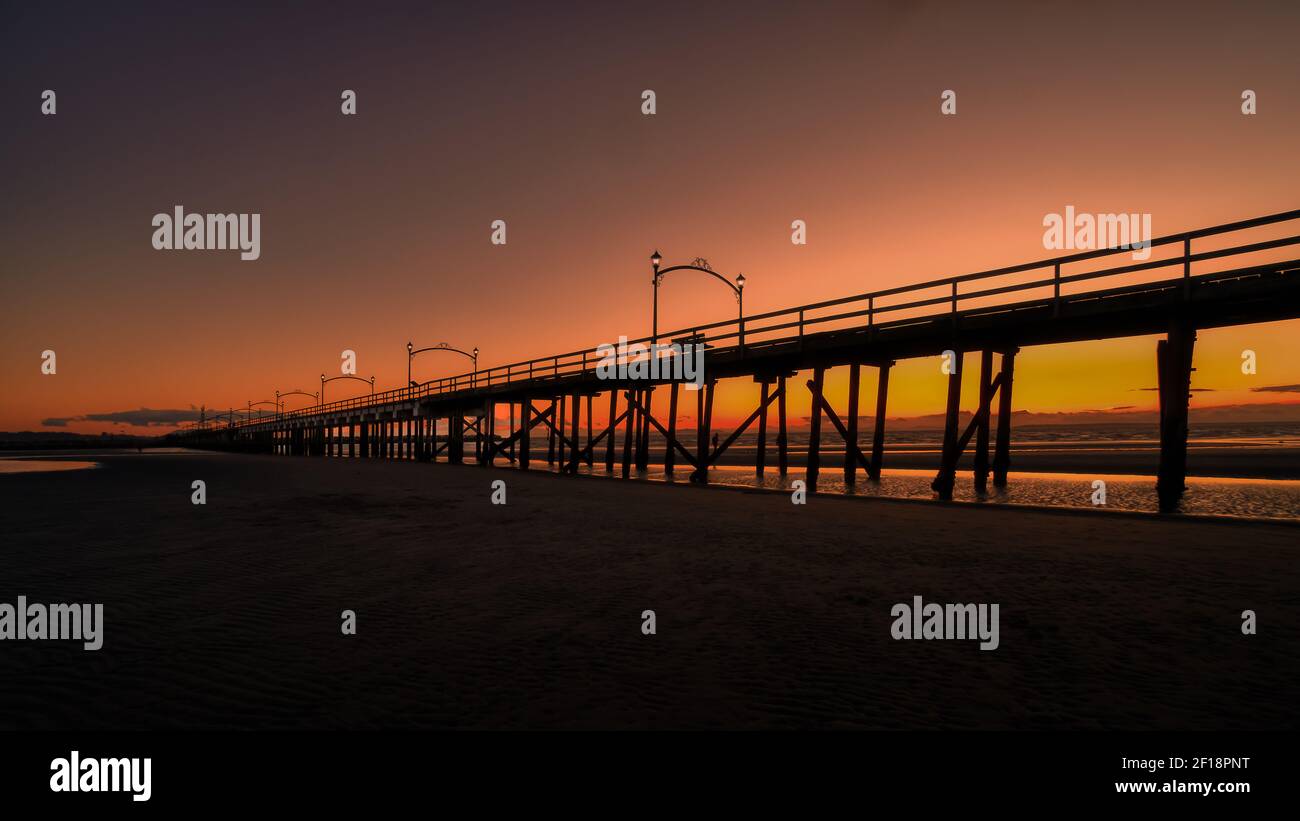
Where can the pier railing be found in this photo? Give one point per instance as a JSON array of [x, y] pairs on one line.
[[884, 308]]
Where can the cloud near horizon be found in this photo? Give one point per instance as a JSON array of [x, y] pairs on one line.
[[140, 418], [1277, 389]]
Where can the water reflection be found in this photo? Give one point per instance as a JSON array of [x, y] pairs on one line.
[[1255, 498], [42, 465]]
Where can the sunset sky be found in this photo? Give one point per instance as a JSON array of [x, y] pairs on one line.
[[376, 227]]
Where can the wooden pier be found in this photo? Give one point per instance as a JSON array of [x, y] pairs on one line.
[[561, 396]]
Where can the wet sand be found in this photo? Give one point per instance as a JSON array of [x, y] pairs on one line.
[[528, 615]]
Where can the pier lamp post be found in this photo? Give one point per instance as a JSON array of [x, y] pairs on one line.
[[738, 288], [740, 309], [655, 259]]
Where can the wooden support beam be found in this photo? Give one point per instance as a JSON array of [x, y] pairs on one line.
[[704, 425], [851, 453], [878, 423], [815, 429], [573, 431], [670, 443], [613, 425], [590, 429], [585, 453], [525, 413], [760, 453], [628, 433], [1002, 447], [982, 414], [543, 418], [550, 440], [947, 478], [857, 455], [673, 442], [703, 467], [556, 427], [987, 386], [782, 443], [456, 439], [744, 426], [701, 446], [643, 454], [1174, 372], [559, 433], [635, 430]]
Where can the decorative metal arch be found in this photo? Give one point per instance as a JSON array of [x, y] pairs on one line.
[[702, 265], [274, 404], [411, 353], [704, 269], [323, 381], [228, 415], [443, 346], [281, 394]]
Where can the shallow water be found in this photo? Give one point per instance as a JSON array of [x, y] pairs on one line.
[[42, 465], [1256, 498], [1207, 496]]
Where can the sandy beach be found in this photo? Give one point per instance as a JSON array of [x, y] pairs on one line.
[[527, 615]]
